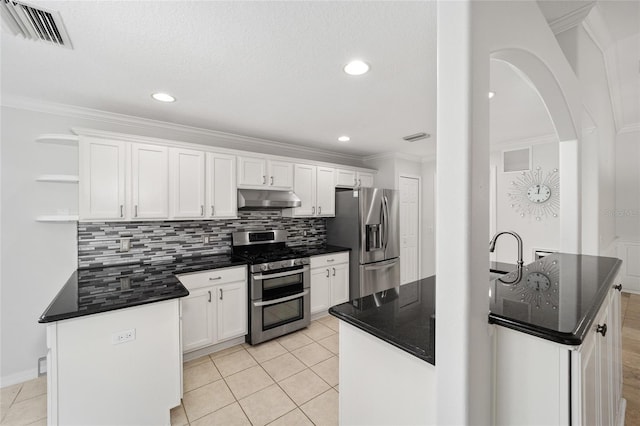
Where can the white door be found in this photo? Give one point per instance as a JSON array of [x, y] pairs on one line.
[[320, 289], [346, 178], [339, 284], [365, 180], [280, 175], [221, 186], [186, 168], [102, 179], [197, 319], [150, 181], [326, 191], [232, 310], [304, 185], [252, 171], [409, 228]]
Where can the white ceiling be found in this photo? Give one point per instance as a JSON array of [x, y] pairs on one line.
[[271, 70]]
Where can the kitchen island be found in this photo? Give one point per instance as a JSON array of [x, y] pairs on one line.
[[114, 343], [551, 349]]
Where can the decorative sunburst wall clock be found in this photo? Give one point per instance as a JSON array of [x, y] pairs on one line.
[[536, 194]]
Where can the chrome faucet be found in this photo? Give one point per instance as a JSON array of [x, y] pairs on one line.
[[492, 245]]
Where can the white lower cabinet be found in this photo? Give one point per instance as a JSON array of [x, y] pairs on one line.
[[576, 385], [216, 308], [93, 379], [329, 281]]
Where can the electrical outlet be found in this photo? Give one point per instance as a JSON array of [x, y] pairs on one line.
[[125, 244], [304, 233], [205, 239], [123, 336]]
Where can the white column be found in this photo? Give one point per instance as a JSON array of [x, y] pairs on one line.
[[463, 354], [570, 200]]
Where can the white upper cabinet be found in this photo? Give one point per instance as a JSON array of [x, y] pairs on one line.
[[102, 172], [257, 172], [315, 186], [186, 169], [150, 181], [352, 179], [221, 186], [326, 191]]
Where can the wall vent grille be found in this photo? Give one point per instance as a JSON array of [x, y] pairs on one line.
[[34, 23]]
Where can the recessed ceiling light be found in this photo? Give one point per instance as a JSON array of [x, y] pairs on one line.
[[344, 138], [356, 67], [491, 94], [163, 97]]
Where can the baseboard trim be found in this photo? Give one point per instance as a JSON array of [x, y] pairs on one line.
[[19, 377]]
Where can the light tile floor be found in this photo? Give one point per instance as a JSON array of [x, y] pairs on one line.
[[289, 381]]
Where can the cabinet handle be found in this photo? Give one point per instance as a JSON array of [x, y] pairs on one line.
[[618, 287], [212, 210], [221, 294], [359, 182], [214, 278], [334, 271], [327, 272], [121, 210], [319, 209], [201, 210], [271, 181], [135, 211], [313, 210], [209, 296], [602, 329], [330, 260], [264, 179]]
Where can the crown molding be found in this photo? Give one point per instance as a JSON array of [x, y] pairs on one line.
[[522, 143], [630, 128], [215, 136], [391, 156], [571, 19]]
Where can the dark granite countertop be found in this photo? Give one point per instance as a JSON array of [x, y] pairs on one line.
[[94, 290], [555, 298], [405, 319], [320, 250], [561, 311]]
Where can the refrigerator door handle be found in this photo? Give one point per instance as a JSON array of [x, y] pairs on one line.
[[381, 265], [385, 232]]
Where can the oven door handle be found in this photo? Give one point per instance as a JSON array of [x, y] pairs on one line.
[[281, 274], [282, 299]]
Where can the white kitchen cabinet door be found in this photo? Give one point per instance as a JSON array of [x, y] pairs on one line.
[[102, 179], [346, 178], [339, 284], [280, 175], [615, 315], [605, 389], [325, 191], [320, 289], [252, 171], [198, 326], [150, 181], [186, 169], [365, 180], [232, 310], [305, 188], [221, 186], [589, 374]]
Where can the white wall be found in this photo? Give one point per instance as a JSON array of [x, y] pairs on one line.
[[627, 208], [37, 258], [542, 234], [428, 218]]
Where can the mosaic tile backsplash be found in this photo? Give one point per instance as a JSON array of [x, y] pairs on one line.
[[99, 242]]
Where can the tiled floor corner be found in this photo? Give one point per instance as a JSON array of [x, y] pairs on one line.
[[292, 380]]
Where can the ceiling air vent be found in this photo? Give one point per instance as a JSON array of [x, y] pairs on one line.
[[34, 23], [416, 137]]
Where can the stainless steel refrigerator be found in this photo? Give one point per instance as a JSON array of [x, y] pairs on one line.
[[367, 221]]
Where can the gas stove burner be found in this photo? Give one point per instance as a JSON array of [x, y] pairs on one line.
[[267, 250]]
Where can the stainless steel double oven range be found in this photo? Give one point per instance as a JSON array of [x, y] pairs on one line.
[[279, 298]]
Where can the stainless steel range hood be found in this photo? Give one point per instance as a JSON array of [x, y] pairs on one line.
[[259, 199]]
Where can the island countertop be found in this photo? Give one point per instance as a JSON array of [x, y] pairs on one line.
[[555, 298], [95, 290]]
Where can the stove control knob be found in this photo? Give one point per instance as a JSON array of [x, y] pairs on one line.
[[297, 262], [264, 267]]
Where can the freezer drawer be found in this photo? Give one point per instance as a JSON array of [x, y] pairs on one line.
[[378, 276]]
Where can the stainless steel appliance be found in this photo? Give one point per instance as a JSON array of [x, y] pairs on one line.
[[279, 279], [367, 221], [260, 199]]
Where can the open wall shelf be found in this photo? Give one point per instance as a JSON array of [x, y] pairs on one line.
[[57, 218], [58, 178]]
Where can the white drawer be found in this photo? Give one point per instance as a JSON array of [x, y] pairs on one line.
[[213, 277], [329, 259]]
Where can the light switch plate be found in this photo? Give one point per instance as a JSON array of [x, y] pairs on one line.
[[125, 244]]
